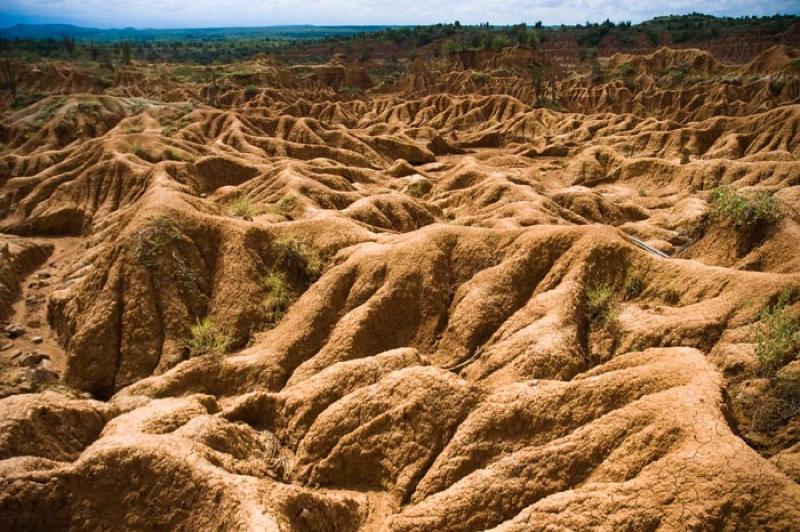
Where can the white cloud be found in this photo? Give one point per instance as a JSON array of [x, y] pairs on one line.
[[188, 13]]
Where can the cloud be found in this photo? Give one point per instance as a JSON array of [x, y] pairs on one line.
[[197, 13]]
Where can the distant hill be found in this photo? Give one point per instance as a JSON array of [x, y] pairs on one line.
[[43, 31]]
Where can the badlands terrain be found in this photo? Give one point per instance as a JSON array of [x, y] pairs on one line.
[[487, 293]]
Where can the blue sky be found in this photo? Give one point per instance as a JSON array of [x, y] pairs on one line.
[[209, 13]]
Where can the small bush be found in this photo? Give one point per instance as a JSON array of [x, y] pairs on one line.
[[729, 205], [776, 335], [480, 78], [634, 285], [600, 305], [241, 207], [297, 256], [133, 129], [250, 91], [184, 276], [162, 231], [137, 107], [137, 149], [286, 203], [279, 296], [206, 339], [672, 296]]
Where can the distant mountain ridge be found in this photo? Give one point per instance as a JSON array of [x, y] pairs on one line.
[[299, 31]]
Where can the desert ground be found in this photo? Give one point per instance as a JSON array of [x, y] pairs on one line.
[[488, 293]]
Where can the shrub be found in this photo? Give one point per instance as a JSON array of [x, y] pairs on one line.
[[161, 232], [137, 149], [672, 296], [286, 203], [279, 296], [250, 91], [600, 304], [137, 107], [634, 285], [205, 338], [183, 275], [728, 204], [297, 256], [776, 335], [480, 78], [241, 207]]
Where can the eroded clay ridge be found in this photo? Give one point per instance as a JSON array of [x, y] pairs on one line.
[[430, 307]]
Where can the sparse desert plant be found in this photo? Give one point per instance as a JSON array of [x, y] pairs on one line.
[[137, 149], [168, 131], [133, 129], [250, 91], [634, 285], [160, 232], [137, 107], [284, 205], [205, 338], [671, 295], [776, 335], [279, 296], [480, 78], [89, 106], [242, 207], [183, 275], [298, 256], [600, 309], [729, 205]]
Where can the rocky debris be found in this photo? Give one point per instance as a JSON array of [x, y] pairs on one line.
[[37, 339], [33, 359], [13, 331]]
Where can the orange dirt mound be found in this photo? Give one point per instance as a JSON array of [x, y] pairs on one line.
[[296, 298]]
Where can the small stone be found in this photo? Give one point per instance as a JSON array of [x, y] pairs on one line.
[[37, 340], [44, 275], [42, 375], [6, 346], [34, 324], [31, 300], [17, 353], [13, 331], [31, 360]]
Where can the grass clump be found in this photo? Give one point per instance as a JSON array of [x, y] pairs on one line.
[[727, 204], [279, 296], [242, 207], [600, 309], [671, 295], [296, 255], [777, 335], [205, 338]]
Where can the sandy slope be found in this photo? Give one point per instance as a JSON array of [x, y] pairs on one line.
[[439, 370]]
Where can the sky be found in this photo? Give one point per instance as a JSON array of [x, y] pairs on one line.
[[217, 13]]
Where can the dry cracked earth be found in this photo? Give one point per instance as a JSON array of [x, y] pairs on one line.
[[402, 283]]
